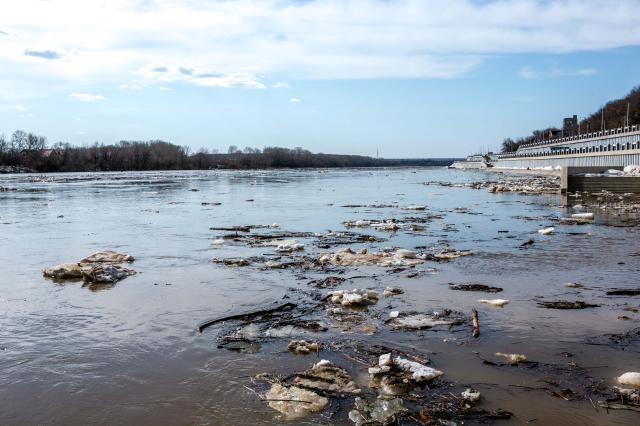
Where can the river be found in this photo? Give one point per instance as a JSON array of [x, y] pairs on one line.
[[131, 353]]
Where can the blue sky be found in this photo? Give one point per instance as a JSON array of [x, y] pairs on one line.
[[410, 78]]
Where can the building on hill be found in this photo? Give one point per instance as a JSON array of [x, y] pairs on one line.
[[570, 126]]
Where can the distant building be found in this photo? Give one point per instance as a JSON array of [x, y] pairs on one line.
[[570, 126], [43, 153]]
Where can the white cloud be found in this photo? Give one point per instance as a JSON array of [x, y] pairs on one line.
[[531, 73], [13, 108], [201, 77], [130, 87], [166, 89], [294, 100], [87, 97], [241, 43], [280, 85]]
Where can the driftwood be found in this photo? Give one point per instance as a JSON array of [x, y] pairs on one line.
[[247, 315], [476, 327]]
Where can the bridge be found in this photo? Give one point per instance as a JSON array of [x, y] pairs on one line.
[[609, 148]]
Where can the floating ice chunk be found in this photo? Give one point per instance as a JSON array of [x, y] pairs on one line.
[[362, 223], [302, 346], [379, 369], [494, 302], [392, 291], [377, 412], [218, 242], [630, 378], [513, 358], [289, 248], [356, 296], [405, 254], [419, 371], [394, 314], [385, 360], [106, 256], [64, 271], [293, 401], [546, 231], [582, 215], [470, 395], [106, 273]]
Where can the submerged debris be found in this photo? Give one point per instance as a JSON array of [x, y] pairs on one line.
[[327, 282], [624, 292], [327, 378], [564, 304], [293, 401], [475, 287]]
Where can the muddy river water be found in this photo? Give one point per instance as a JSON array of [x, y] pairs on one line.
[[131, 353]]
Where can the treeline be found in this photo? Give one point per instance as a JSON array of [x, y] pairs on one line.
[[610, 116], [28, 150]]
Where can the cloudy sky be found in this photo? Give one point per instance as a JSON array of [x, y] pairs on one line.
[[411, 78]]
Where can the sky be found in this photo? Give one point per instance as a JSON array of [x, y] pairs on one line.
[[404, 78]]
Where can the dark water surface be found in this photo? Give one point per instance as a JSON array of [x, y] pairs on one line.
[[130, 354]]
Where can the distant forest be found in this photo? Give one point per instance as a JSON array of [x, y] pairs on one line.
[[614, 114], [27, 150]]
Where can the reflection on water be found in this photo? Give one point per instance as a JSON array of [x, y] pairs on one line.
[[130, 353]]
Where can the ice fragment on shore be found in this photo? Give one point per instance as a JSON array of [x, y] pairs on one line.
[[494, 302], [394, 314], [293, 401], [546, 231], [513, 358], [630, 378]]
